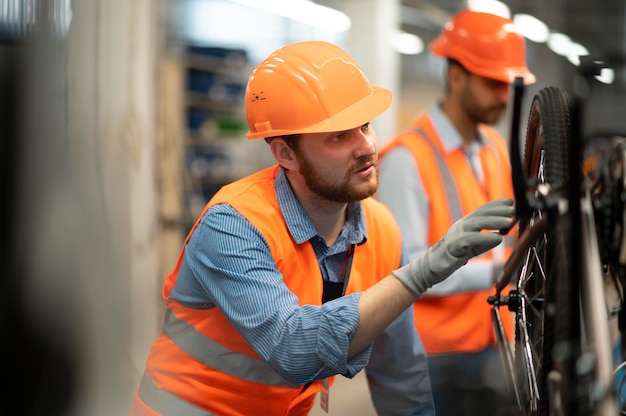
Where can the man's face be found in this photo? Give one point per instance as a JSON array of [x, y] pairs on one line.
[[484, 100], [339, 166]]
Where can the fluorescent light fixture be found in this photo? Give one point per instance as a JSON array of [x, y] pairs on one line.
[[531, 27], [61, 13], [305, 11], [559, 43], [19, 18], [407, 43], [490, 6], [607, 75], [576, 50]]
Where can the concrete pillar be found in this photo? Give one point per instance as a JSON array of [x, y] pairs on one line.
[[113, 49], [373, 25]]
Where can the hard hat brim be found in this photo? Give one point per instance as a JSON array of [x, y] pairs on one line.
[[506, 74], [355, 115]]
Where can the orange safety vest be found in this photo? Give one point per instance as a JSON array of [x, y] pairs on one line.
[[459, 322], [200, 365]]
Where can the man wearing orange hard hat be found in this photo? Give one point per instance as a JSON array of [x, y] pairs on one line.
[[447, 164], [295, 274]]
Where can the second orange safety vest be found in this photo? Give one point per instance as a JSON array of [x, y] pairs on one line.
[[200, 365], [459, 322]]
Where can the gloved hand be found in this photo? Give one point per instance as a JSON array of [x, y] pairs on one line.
[[461, 242]]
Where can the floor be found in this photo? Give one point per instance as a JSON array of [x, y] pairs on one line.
[[347, 397]]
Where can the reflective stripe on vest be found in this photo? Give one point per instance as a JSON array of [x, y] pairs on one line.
[[452, 195], [218, 357], [165, 403]]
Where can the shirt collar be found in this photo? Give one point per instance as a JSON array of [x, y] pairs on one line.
[[299, 223], [448, 134]]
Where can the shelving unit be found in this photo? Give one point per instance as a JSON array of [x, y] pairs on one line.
[[216, 149]]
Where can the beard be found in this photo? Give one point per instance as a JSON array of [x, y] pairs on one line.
[[480, 114], [339, 191]]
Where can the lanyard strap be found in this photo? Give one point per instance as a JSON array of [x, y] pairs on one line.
[[334, 290]]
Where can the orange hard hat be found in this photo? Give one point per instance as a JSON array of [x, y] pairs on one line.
[[485, 44], [310, 87]]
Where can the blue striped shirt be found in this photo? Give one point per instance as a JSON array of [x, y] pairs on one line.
[[228, 264]]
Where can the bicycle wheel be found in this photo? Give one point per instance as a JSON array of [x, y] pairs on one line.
[[545, 263], [604, 164]]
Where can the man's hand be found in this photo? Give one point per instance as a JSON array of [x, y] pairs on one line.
[[463, 241]]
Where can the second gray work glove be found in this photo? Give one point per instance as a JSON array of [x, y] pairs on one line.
[[462, 241]]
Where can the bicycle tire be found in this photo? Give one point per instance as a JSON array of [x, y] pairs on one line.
[[542, 281]]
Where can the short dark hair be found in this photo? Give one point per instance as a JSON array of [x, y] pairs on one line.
[[454, 62], [290, 139]]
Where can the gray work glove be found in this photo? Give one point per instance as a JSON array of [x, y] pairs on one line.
[[461, 242]]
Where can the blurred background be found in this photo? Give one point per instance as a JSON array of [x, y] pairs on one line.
[[120, 118]]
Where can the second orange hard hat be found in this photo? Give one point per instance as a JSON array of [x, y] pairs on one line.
[[485, 44], [310, 87]]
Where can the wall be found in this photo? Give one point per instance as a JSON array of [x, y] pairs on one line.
[[112, 71], [84, 270]]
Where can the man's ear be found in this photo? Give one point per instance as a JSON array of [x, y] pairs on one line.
[[283, 153], [456, 77]]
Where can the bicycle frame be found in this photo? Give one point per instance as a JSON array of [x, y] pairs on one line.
[[573, 372]]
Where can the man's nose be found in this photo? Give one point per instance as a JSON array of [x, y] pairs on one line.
[[367, 143]]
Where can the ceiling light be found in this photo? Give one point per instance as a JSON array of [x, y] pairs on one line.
[[407, 43], [531, 27], [559, 43], [490, 6], [305, 11], [607, 75], [576, 50]]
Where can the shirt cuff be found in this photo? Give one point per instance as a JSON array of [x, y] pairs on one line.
[[338, 326]]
